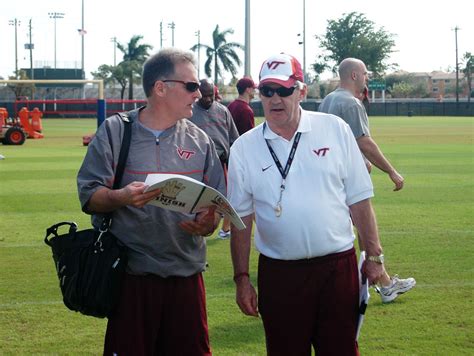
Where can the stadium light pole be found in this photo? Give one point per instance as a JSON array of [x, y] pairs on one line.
[[172, 25], [83, 33], [456, 29], [82, 42], [15, 23], [303, 40], [114, 40], [198, 35], [161, 34], [247, 39], [55, 16], [30, 46]]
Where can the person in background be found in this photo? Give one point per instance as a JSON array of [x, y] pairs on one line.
[[216, 120], [364, 99], [162, 308], [345, 103], [302, 175], [240, 108], [217, 95]]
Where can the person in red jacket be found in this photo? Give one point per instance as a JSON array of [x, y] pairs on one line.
[[240, 108]]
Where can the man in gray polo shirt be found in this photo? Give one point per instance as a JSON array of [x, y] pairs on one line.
[[162, 308], [344, 102]]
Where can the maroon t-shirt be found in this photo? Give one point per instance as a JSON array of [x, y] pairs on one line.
[[243, 115]]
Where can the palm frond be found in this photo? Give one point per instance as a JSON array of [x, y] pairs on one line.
[[221, 56]]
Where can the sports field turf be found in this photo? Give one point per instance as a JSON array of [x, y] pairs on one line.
[[426, 230]]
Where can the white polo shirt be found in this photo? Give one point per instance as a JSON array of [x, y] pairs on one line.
[[327, 175]]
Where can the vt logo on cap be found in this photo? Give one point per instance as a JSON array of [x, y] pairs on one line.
[[281, 69], [274, 64]]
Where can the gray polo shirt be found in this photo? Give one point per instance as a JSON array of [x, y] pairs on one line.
[[156, 244], [218, 123], [343, 104]]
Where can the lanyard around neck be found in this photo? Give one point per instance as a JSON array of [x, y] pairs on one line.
[[283, 172]]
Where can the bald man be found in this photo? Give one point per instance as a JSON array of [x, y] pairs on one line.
[[344, 102]]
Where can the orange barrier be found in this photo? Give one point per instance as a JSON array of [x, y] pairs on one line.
[[36, 123], [24, 115], [34, 128]]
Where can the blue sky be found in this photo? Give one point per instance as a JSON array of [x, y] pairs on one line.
[[424, 38]]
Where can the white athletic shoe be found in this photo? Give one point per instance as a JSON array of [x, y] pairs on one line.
[[398, 286], [223, 234]]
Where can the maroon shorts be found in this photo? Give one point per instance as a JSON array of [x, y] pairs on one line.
[[159, 316], [310, 302]]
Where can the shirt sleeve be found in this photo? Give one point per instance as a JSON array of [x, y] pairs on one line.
[[97, 169], [239, 193], [357, 182]]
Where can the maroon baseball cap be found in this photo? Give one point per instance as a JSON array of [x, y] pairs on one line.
[[282, 69], [245, 83]]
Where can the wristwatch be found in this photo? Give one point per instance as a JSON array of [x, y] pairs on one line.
[[377, 259]]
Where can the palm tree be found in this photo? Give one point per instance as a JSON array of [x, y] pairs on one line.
[[134, 55], [221, 54]]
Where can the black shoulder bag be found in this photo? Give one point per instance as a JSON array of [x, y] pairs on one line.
[[90, 263]]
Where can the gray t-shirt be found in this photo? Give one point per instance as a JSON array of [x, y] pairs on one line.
[[343, 104], [218, 123], [155, 242]]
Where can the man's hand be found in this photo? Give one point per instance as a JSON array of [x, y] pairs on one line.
[[134, 194], [372, 152], [397, 179], [204, 224], [246, 297], [240, 245], [373, 271], [105, 200]]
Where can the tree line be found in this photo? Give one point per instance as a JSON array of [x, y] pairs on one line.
[[221, 58], [352, 35]]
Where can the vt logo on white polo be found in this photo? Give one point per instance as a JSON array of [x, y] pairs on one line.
[[321, 152]]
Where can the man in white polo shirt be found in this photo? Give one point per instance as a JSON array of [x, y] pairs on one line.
[[303, 176]]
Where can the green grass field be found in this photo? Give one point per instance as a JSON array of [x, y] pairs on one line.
[[426, 230]]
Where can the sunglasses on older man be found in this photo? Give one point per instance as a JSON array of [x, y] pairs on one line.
[[190, 86], [281, 91]]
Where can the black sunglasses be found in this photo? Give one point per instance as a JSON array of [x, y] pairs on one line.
[[190, 86], [281, 91]]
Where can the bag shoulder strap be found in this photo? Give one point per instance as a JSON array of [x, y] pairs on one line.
[[124, 148], [123, 155]]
